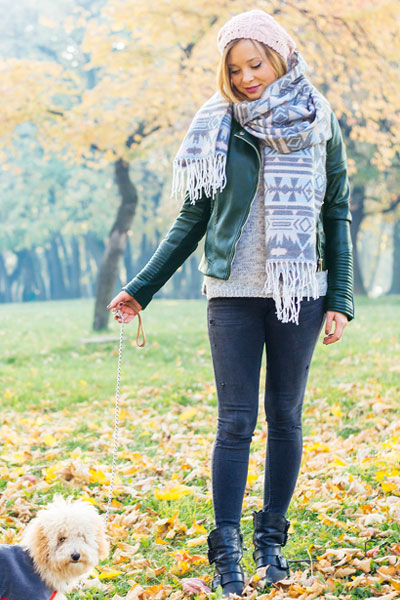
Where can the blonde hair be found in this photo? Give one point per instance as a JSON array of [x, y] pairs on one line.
[[229, 92]]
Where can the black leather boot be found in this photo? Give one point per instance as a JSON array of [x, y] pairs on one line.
[[270, 534], [226, 550]]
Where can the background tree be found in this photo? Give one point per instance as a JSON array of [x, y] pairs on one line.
[[127, 77]]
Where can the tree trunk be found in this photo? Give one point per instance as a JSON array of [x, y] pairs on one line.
[[28, 278], [5, 287], [66, 262], [39, 280], [358, 216], [57, 284], [395, 287], [94, 251], [75, 273], [128, 262], [116, 245]]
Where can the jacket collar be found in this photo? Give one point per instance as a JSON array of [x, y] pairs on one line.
[[239, 132]]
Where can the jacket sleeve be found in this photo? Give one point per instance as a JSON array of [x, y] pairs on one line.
[[181, 240], [336, 222]]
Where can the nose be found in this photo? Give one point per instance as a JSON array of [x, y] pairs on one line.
[[75, 556], [248, 76]]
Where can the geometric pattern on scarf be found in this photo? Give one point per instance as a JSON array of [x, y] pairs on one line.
[[293, 121]]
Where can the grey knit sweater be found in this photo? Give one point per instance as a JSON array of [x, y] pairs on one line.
[[248, 267]]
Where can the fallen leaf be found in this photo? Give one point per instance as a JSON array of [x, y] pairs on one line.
[[193, 585]]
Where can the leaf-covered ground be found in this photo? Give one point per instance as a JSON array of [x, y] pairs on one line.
[[57, 394]]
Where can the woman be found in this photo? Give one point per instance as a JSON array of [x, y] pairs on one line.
[[264, 170]]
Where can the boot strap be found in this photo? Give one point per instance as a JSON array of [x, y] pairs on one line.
[[270, 555], [211, 555], [227, 577]]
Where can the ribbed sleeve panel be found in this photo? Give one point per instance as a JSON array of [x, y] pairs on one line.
[[336, 221]]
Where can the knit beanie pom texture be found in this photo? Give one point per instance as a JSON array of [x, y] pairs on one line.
[[257, 25]]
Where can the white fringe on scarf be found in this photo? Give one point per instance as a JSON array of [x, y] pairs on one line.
[[194, 176], [289, 283]]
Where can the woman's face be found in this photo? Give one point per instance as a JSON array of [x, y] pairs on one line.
[[249, 68]]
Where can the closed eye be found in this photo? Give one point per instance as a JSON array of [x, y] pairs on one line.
[[233, 72]]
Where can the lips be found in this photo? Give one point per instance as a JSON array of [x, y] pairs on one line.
[[251, 90]]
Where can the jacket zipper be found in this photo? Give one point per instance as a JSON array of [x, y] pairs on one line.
[[319, 261], [251, 203]]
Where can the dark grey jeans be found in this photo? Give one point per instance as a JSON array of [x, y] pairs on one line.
[[239, 328]]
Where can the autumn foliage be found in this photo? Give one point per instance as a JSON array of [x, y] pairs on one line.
[[155, 64], [57, 436]]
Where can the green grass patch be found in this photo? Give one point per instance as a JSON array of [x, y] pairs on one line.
[[57, 394]]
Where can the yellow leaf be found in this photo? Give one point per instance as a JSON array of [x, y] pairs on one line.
[[199, 541], [50, 474], [130, 469], [187, 414], [336, 410], [172, 493], [110, 574], [197, 528], [251, 478], [98, 476], [88, 499], [395, 583], [18, 458], [387, 486], [181, 568], [49, 440]]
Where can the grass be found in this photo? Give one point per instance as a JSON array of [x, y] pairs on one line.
[[57, 397], [43, 350]]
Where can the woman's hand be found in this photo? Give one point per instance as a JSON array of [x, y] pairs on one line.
[[340, 323], [126, 305]]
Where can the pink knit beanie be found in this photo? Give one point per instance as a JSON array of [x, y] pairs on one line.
[[257, 25]]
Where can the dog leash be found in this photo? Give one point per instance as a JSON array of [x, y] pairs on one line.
[[140, 342]]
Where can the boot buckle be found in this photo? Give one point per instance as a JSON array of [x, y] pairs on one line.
[[283, 563], [216, 582]]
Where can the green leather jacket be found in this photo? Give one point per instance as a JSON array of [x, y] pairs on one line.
[[222, 219]]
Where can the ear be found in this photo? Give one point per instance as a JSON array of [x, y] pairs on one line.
[[103, 544], [36, 542]]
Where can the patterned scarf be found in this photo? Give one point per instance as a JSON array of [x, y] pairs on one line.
[[292, 121]]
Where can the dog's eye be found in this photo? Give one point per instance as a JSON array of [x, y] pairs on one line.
[[61, 540]]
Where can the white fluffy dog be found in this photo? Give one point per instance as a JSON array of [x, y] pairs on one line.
[[62, 543]]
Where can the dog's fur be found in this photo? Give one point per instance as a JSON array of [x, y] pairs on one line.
[[66, 540]]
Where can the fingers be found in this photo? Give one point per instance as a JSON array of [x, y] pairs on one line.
[[115, 301], [340, 323], [125, 313], [329, 322], [124, 299], [124, 318]]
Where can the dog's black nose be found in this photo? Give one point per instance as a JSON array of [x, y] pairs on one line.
[[75, 556]]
